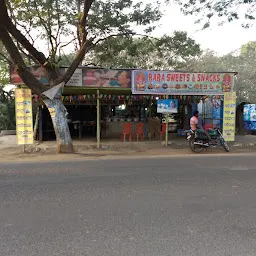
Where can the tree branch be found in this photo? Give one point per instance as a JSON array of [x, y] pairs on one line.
[[124, 34], [29, 56], [82, 23], [66, 44], [87, 46], [46, 25], [28, 78], [39, 56], [6, 21], [113, 35], [4, 57], [26, 27]]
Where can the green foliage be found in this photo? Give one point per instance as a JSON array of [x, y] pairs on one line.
[[118, 16], [4, 67], [3, 116], [248, 49], [7, 110], [243, 62], [66, 59], [11, 115], [224, 10], [167, 52], [55, 21], [7, 103]]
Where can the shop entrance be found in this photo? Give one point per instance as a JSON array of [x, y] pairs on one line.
[[82, 120]]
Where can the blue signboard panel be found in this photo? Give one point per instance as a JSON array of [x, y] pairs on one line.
[[250, 117], [167, 106]]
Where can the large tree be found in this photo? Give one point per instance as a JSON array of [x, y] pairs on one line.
[[56, 23]]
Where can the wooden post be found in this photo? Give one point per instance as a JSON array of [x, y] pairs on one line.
[[166, 129], [150, 108], [98, 119], [36, 125], [40, 129]]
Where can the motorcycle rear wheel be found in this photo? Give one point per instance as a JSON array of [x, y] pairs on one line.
[[195, 148]]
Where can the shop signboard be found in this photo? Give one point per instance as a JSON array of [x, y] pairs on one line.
[[177, 83], [76, 79], [107, 78], [86, 77], [38, 72], [24, 117], [250, 117], [229, 116], [167, 106]]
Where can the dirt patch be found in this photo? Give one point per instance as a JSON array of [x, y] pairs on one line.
[[46, 151]]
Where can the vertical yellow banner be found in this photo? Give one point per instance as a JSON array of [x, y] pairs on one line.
[[24, 116], [229, 116]]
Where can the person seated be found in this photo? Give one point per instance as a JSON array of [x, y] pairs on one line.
[[195, 125]]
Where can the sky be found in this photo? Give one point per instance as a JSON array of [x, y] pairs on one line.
[[221, 39]]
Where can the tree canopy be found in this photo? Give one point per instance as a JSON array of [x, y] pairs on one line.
[[243, 62], [224, 10], [167, 52], [58, 23]]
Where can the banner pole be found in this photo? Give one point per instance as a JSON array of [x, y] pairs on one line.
[[166, 130], [167, 126], [98, 119]]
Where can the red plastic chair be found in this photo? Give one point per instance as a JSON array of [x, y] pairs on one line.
[[208, 127], [163, 130], [139, 131], [126, 130]]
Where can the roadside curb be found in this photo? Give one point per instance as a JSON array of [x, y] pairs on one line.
[[244, 145], [127, 157], [232, 144]]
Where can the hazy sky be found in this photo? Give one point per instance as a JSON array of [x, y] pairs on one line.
[[222, 39]]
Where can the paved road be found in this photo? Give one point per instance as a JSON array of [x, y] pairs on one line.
[[152, 207]]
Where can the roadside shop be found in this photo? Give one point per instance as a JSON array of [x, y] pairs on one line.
[[104, 103]]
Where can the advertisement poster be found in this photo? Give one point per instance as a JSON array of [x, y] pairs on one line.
[[171, 83], [87, 77], [250, 117], [106, 78], [38, 72], [216, 112], [167, 106], [24, 117], [229, 116]]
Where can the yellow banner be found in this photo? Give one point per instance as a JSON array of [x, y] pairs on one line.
[[24, 116], [229, 116]]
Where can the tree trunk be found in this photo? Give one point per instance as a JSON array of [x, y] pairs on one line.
[[58, 114]]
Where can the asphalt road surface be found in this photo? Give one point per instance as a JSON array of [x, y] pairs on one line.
[[154, 207]]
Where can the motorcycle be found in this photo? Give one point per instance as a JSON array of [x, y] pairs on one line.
[[198, 141]]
